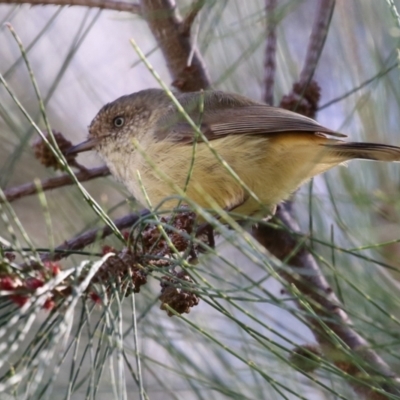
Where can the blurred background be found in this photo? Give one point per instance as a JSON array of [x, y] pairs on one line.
[[82, 59]]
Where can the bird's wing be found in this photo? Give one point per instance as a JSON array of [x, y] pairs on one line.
[[224, 114]]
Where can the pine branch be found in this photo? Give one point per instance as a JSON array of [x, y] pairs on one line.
[[191, 16], [102, 4], [168, 28], [317, 39], [87, 238], [27, 189], [270, 53]]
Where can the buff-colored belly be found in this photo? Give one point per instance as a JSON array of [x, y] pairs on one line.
[[272, 168]]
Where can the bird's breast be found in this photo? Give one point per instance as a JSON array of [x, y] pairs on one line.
[[271, 167]]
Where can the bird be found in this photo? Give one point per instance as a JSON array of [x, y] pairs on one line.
[[241, 156]]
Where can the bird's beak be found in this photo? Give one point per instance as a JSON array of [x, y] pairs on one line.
[[84, 146]]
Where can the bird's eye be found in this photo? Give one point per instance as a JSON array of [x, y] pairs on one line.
[[118, 122]]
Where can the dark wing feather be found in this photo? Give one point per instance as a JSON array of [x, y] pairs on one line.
[[226, 114]]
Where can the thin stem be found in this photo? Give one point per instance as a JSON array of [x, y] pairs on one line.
[[27, 189], [317, 39], [270, 53], [102, 4]]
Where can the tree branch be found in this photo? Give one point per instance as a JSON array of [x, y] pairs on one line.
[[307, 277], [89, 237], [167, 27], [191, 16], [30, 188], [103, 4], [317, 39], [270, 52]]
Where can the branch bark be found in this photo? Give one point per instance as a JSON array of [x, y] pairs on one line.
[[89, 237], [30, 188], [317, 39], [191, 16], [270, 52], [167, 27], [103, 4], [311, 283]]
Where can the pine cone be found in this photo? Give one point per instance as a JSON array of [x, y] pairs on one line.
[[46, 156], [180, 300]]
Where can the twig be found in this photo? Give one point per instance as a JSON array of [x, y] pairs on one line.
[[270, 52], [317, 39], [191, 16], [309, 280], [103, 4], [305, 94], [89, 237], [166, 25], [30, 188], [394, 11]]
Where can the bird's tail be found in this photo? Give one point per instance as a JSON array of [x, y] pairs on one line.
[[367, 151]]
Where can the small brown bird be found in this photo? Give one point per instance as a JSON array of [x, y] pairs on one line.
[[152, 149]]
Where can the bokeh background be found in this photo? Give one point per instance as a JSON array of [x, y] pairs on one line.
[[82, 59]]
